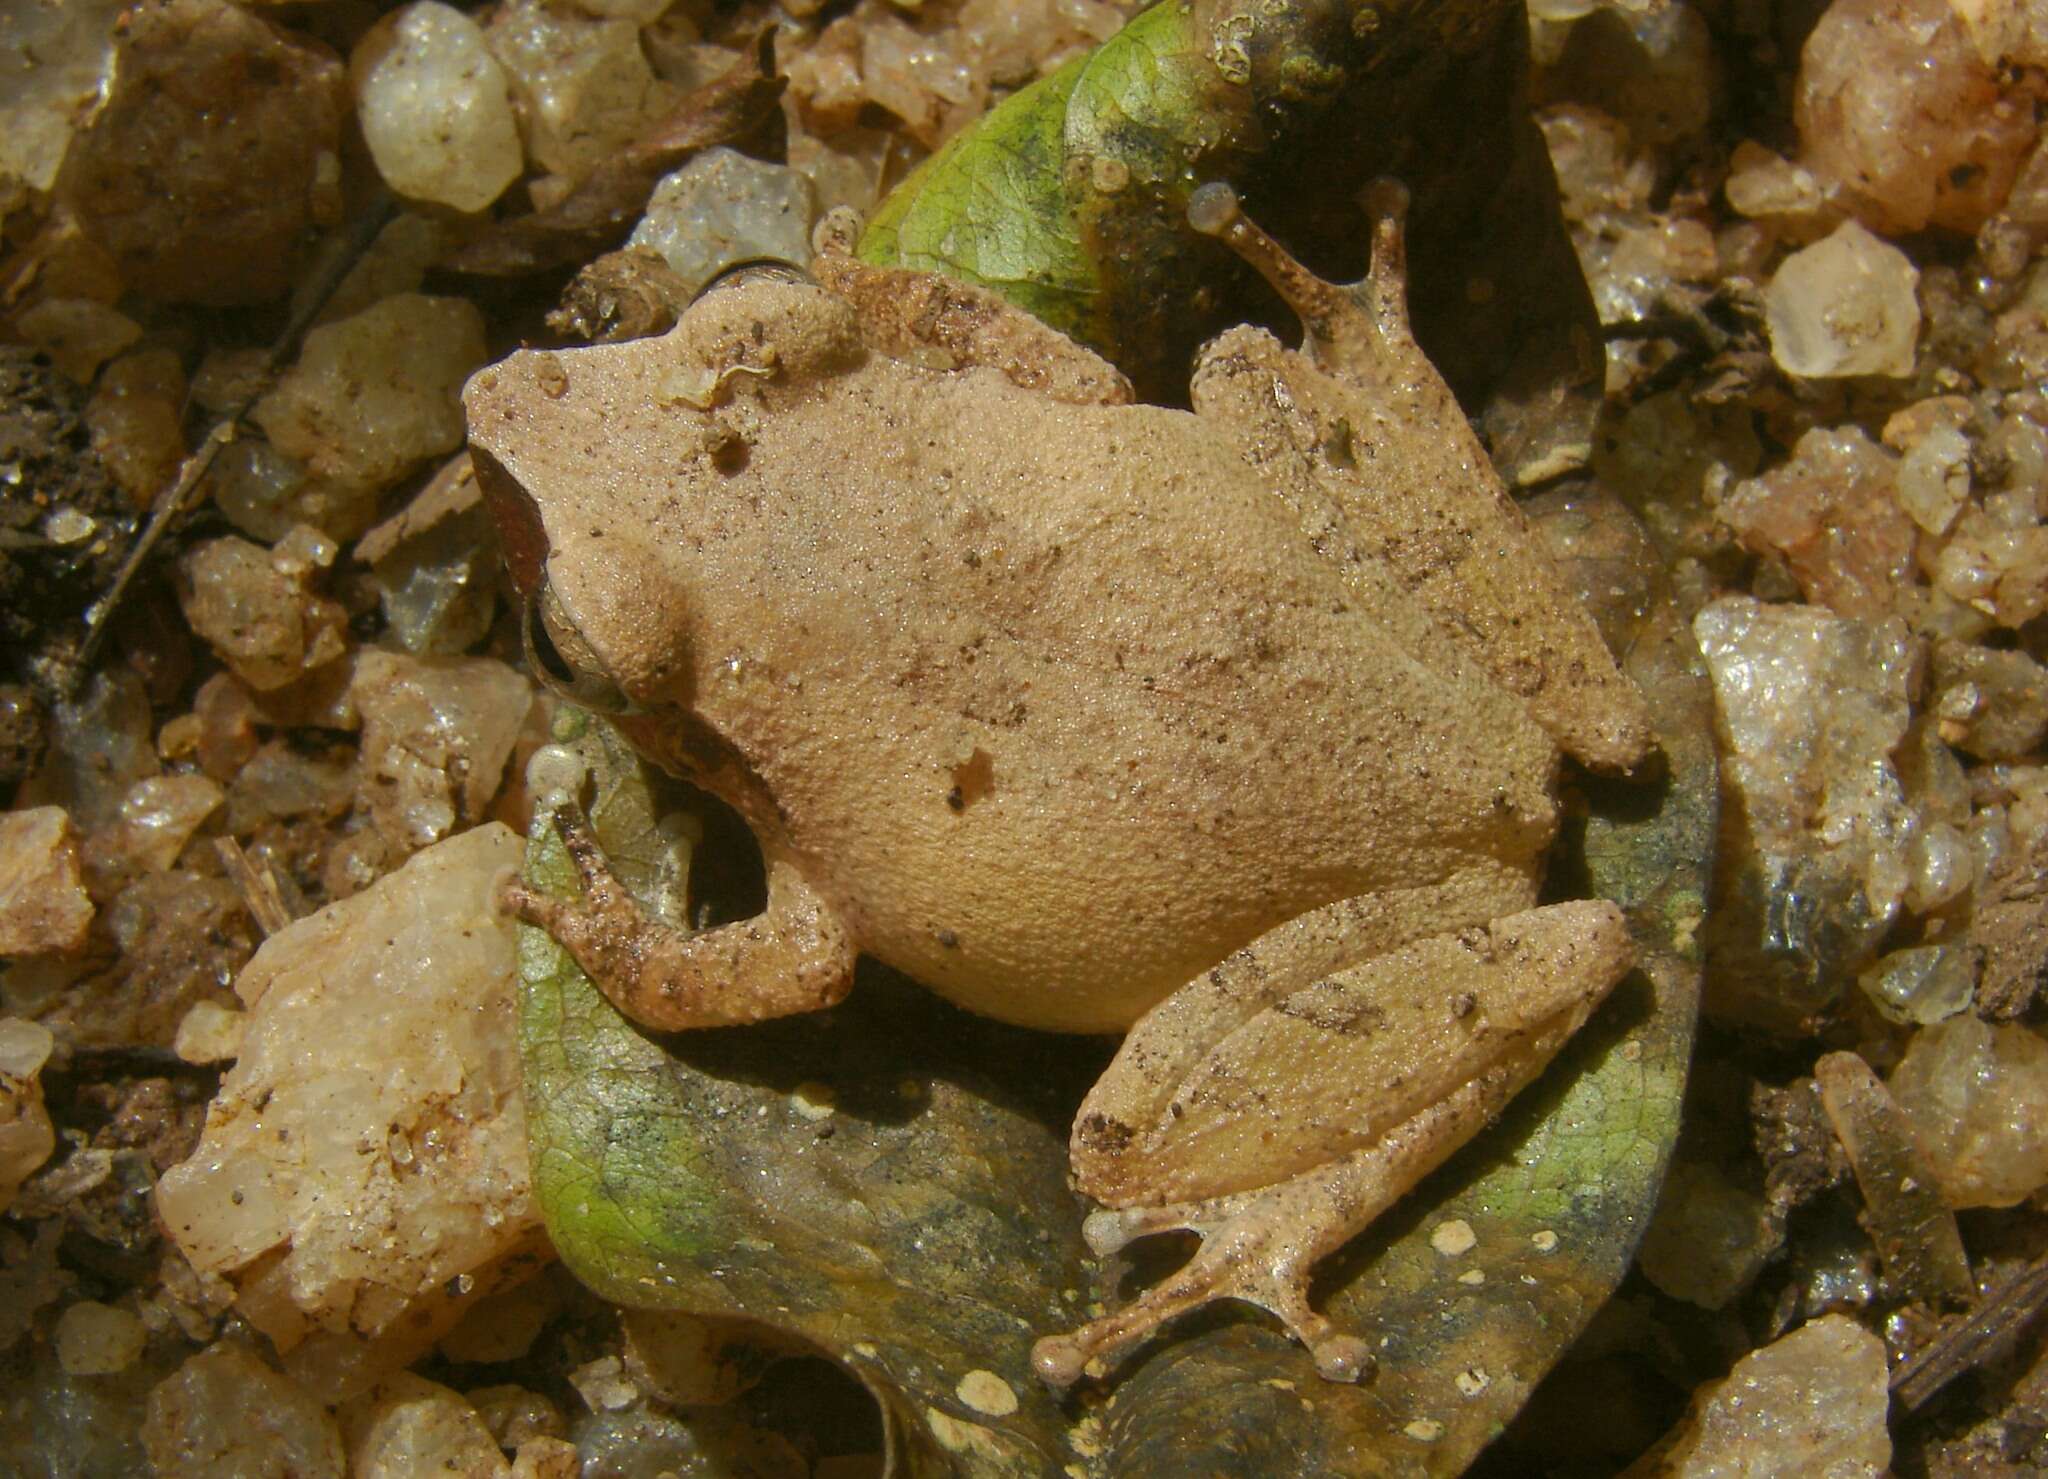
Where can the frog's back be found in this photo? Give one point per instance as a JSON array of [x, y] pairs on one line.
[[1118, 716]]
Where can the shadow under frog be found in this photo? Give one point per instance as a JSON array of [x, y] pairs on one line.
[[1236, 730]]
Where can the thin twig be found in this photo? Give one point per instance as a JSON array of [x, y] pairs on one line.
[[175, 501], [1970, 1343]]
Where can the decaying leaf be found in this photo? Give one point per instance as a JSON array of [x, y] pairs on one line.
[[888, 1181], [733, 109], [1910, 1224], [628, 294], [1070, 198]]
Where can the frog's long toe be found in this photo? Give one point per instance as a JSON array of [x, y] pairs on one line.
[[520, 899], [603, 904], [1252, 1249], [1261, 1245], [1350, 326], [585, 853]]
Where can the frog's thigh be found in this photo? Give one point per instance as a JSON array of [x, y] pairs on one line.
[[1349, 1060], [795, 956], [1162, 1049], [1411, 483]]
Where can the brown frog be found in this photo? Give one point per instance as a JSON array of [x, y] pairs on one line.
[[1236, 729]]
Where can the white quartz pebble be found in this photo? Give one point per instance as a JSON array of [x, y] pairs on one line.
[[435, 108]]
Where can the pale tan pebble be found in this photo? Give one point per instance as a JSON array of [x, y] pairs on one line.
[[1453, 1238]]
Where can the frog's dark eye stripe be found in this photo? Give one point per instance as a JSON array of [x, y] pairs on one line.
[[560, 658]]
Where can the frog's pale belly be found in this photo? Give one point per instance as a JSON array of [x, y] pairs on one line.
[[1071, 885]]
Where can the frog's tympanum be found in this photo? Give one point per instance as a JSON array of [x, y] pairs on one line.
[[1234, 729]]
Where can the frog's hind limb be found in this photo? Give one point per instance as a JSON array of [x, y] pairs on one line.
[[1262, 1247], [1391, 448], [1348, 1089], [793, 957], [1351, 330]]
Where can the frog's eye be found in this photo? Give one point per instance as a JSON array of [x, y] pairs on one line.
[[559, 656], [754, 269]]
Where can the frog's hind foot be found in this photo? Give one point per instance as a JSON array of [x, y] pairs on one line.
[[1349, 327], [1276, 1121], [1245, 1254], [1262, 1246]]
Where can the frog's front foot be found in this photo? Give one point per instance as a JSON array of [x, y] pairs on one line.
[[796, 956], [569, 920]]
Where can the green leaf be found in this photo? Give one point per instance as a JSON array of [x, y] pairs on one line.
[[1070, 197], [973, 211]]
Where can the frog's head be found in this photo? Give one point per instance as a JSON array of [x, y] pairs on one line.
[[570, 560], [600, 465]]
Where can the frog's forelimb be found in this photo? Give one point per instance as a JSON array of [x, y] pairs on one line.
[[792, 957]]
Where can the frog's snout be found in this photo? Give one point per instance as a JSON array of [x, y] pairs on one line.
[[522, 537]]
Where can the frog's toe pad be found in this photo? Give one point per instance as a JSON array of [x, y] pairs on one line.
[[1244, 1255]]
